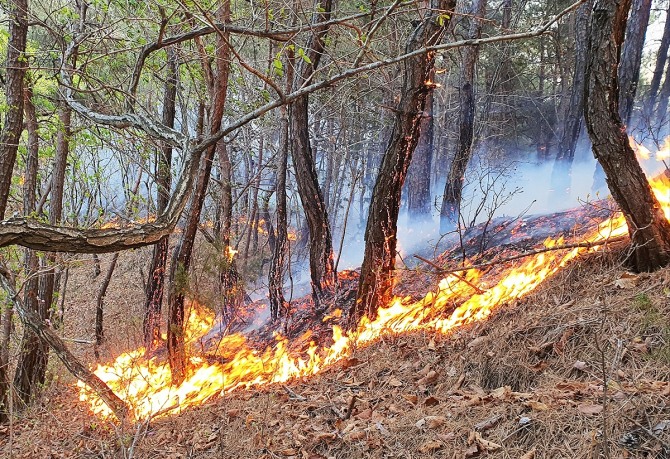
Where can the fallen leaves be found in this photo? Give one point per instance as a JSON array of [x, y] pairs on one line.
[[589, 409]]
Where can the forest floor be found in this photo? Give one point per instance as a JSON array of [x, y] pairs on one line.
[[526, 383]]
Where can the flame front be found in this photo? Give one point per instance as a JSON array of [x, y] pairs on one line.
[[145, 383]]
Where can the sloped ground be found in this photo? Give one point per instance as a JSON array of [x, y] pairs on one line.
[[526, 383]]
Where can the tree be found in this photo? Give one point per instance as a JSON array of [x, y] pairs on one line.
[[574, 115], [453, 188], [16, 67], [647, 225], [155, 284], [376, 281], [661, 58]]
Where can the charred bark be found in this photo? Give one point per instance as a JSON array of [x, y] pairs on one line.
[[376, 281], [156, 283], [647, 225], [453, 188], [321, 263], [181, 257]]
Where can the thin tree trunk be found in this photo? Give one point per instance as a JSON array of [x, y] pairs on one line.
[[16, 67], [376, 281], [33, 353], [418, 174], [631, 57], [661, 58], [181, 257], [100, 301], [572, 126], [156, 282], [321, 264], [647, 225], [453, 189]]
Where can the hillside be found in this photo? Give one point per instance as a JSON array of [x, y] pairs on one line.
[[528, 382]]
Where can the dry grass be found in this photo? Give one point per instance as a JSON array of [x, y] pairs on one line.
[[536, 367]]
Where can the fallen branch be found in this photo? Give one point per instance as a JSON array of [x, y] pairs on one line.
[[461, 278], [49, 336], [577, 245]]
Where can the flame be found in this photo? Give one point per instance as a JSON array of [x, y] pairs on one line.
[[144, 383], [230, 253]]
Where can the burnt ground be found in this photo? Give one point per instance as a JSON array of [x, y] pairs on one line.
[[579, 368]]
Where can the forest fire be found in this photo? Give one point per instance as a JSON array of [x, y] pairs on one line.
[[145, 383]]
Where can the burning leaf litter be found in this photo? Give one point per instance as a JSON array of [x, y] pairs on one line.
[[144, 383]]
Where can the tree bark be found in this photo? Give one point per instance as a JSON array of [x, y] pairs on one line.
[[647, 225], [156, 282], [321, 262], [376, 281], [453, 189], [181, 257], [16, 66], [100, 301]]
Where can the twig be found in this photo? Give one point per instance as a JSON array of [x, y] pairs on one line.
[[586, 245], [350, 407], [293, 395], [648, 432], [459, 277]]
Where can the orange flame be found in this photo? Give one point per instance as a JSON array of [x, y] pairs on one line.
[[144, 383]]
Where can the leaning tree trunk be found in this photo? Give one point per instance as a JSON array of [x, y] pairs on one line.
[[572, 125], [321, 263], [155, 285], [647, 225], [376, 280], [419, 172], [181, 257], [629, 70], [453, 188]]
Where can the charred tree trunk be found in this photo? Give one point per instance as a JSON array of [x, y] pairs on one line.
[[419, 172], [572, 125], [661, 58], [321, 263], [453, 188], [16, 67], [155, 285], [376, 281], [648, 227], [181, 257]]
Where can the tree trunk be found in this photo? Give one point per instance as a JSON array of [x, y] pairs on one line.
[[376, 281], [418, 174], [661, 58], [453, 189], [155, 284], [631, 57], [32, 358], [321, 263], [572, 126], [647, 225], [100, 301], [181, 257], [16, 67]]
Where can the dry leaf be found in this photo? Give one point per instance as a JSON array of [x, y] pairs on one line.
[[433, 422], [487, 424], [529, 455], [486, 444], [354, 435], [590, 409], [535, 405], [411, 398], [430, 446], [431, 401], [579, 365], [430, 378], [472, 451], [476, 342], [394, 382]]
